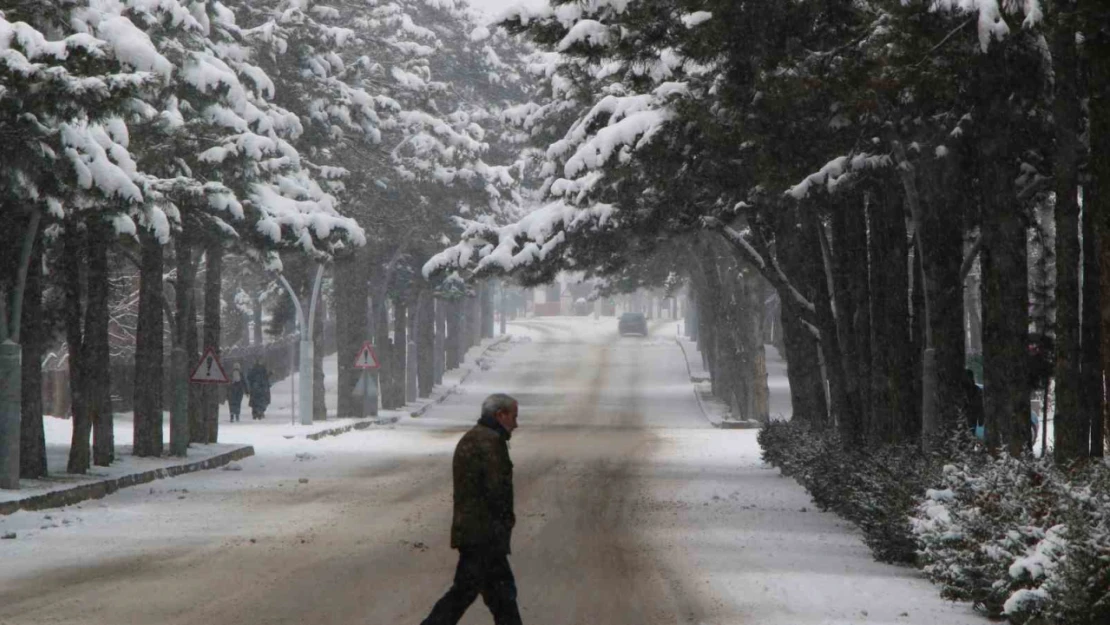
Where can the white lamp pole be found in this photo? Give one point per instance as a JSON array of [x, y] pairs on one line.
[[306, 327]]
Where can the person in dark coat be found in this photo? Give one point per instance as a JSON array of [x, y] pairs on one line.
[[258, 381], [973, 401], [482, 525], [235, 391]]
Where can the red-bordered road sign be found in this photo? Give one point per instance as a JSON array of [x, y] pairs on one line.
[[367, 359], [209, 370]]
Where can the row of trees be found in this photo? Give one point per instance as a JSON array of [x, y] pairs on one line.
[[863, 158], [181, 139]]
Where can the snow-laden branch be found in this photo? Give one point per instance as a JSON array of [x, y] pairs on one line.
[[838, 171], [531, 240], [769, 267], [992, 20]]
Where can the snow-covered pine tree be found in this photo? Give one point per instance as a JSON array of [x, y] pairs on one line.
[[68, 169], [415, 157]]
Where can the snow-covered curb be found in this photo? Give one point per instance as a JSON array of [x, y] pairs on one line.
[[438, 398], [716, 420], [361, 424], [344, 425], [95, 490]]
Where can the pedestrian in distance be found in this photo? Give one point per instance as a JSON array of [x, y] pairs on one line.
[[973, 402], [483, 520], [258, 381], [236, 390]]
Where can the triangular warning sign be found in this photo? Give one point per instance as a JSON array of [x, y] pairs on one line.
[[209, 370], [366, 358]]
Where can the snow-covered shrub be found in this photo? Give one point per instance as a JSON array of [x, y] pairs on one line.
[[776, 439], [891, 483], [986, 514], [1077, 587], [875, 488], [1020, 538]]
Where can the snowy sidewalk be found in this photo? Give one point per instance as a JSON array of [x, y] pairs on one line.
[[718, 412], [280, 420], [238, 440], [63, 489]]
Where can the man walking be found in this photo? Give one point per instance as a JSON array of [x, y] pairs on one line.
[[483, 521]]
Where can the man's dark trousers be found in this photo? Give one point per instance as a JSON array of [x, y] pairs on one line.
[[479, 572]]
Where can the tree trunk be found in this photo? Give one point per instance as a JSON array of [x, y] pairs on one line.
[[1005, 303], [690, 320], [1072, 434], [849, 267], [351, 294], [474, 316], [256, 317], [892, 386], [973, 313], [754, 354], [213, 281], [400, 343], [97, 355], [440, 346], [72, 256], [1091, 391], [1097, 200], [454, 333], [149, 355], [844, 409], [319, 396], [382, 345], [803, 370], [942, 255], [706, 291], [425, 337], [32, 437], [485, 291], [914, 273], [807, 383], [187, 318], [503, 306], [183, 357]]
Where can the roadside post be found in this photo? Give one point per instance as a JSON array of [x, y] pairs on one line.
[[367, 386], [208, 371]]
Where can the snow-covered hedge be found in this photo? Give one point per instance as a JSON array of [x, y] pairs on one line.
[[1019, 538], [877, 489]]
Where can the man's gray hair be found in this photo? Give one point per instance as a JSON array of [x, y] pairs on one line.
[[496, 403]]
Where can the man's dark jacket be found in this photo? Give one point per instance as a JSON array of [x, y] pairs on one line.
[[483, 475]]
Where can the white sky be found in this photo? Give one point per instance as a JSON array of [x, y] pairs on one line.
[[494, 7]]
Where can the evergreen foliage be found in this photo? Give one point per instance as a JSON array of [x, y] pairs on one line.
[[1018, 537]]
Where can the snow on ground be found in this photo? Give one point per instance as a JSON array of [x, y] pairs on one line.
[[631, 511], [58, 432], [273, 432], [758, 544], [778, 386]]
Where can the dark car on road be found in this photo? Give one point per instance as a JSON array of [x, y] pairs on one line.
[[632, 323]]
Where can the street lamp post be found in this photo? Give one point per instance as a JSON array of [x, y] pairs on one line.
[[306, 327]]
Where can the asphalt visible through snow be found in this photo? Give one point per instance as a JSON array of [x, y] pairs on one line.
[[631, 510]]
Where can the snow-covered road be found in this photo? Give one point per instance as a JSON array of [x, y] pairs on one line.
[[631, 510]]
